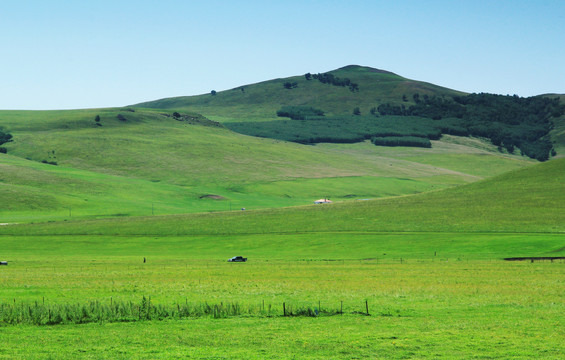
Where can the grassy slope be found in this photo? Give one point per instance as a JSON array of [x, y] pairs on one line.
[[527, 200], [262, 100], [152, 163]]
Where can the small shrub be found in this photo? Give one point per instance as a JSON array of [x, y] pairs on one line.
[[290, 85], [3, 150], [402, 141], [49, 162], [121, 117], [5, 137]]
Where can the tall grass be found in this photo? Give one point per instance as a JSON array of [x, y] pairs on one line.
[[39, 313]]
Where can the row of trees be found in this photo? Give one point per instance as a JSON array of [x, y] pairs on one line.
[[343, 129], [510, 122], [412, 141], [328, 78]]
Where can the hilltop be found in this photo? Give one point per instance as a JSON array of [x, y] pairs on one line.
[[262, 100]]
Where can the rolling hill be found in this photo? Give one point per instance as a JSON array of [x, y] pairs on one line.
[[261, 101], [64, 164], [356, 103]]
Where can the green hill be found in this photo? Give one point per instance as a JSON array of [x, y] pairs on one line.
[[64, 164], [262, 100], [356, 103]]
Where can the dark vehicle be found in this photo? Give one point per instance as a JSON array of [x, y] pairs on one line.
[[6, 263], [237, 259]]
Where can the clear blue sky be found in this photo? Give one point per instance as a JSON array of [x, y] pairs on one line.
[[81, 54]]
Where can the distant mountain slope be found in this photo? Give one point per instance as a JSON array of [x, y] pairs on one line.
[[263, 99], [355, 103]]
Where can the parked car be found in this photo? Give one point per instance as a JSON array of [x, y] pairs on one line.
[[237, 259]]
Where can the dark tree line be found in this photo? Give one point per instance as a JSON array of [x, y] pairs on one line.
[[412, 141], [343, 129], [510, 122], [327, 78]]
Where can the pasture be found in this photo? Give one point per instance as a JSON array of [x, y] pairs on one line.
[[432, 294]]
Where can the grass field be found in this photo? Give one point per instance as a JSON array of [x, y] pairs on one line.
[[424, 308], [428, 266]]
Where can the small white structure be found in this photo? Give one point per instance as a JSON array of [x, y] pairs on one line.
[[323, 201]]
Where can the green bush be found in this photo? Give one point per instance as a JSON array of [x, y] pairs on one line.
[[5, 137], [412, 141]]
